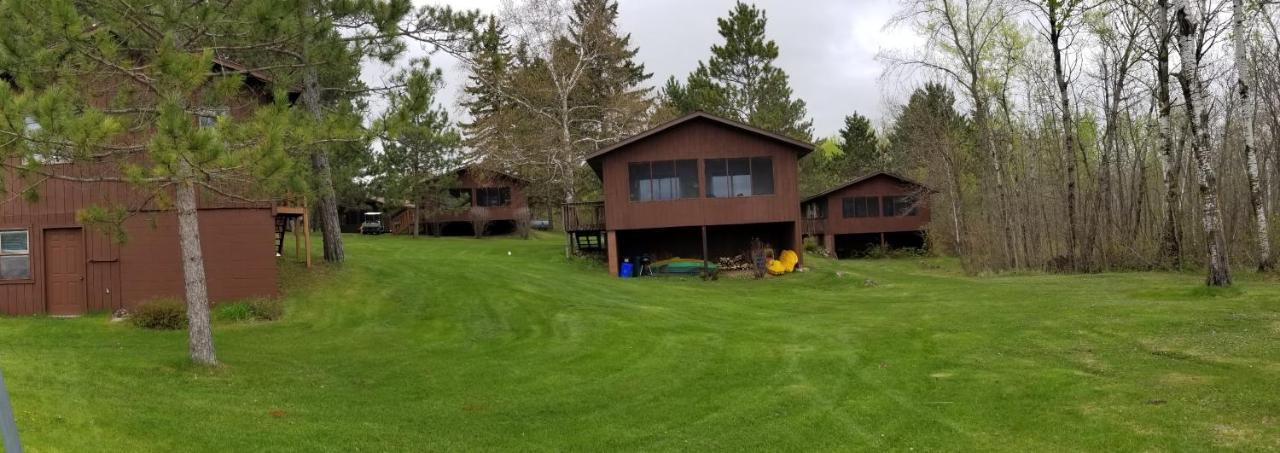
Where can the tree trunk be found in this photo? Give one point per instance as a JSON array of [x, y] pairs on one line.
[[988, 135], [1170, 247], [1248, 108], [1068, 133], [1189, 29], [199, 334], [327, 199]]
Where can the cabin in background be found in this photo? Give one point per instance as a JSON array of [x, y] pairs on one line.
[[490, 203], [880, 209], [696, 187], [50, 263]]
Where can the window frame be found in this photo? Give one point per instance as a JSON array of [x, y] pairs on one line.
[[31, 272], [483, 193], [722, 164], [868, 211], [676, 183], [899, 206]]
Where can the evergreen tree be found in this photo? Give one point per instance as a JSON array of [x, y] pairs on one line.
[[113, 96], [855, 153], [740, 81], [421, 147], [568, 88]]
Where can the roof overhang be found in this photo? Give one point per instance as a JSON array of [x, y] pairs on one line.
[[864, 178], [802, 147]]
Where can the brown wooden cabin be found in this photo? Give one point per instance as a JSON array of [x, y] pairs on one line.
[[880, 209], [493, 203], [697, 187], [52, 264]]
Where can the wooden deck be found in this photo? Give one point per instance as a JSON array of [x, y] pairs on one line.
[[583, 217], [813, 226]]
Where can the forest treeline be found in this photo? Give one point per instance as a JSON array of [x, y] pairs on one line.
[[1064, 135]]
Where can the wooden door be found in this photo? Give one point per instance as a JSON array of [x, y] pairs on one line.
[[64, 271]]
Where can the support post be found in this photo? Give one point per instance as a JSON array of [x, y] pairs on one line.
[[306, 230], [706, 264], [611, 254], [829, 242], [883, 245]]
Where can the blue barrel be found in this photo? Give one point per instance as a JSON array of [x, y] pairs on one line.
[[625, 271]]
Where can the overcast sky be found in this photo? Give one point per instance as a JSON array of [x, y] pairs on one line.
[[828, 47]]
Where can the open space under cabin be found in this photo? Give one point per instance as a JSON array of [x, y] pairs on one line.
[[696, 187]]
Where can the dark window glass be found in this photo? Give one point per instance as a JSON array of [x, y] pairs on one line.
[[899, 206], [855, 207], [687, 171], [762, 176], [15, 255], [641, 187], [490, 197], [739, 177], [663, 180], [717, 178], [461, 196], [665, 183]]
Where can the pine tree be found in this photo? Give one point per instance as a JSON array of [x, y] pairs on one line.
[[420, 146], [569, 88], [116, 94], [740, 81]]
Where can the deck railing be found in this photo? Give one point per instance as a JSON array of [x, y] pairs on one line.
[[813, 226], [583, 216]]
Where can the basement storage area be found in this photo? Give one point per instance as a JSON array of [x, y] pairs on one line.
[[686, 242], [860, 245]]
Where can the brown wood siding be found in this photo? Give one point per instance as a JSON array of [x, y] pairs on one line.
[[700, 139], [238, 251], [110, 267], [879, 186], [239, 260]]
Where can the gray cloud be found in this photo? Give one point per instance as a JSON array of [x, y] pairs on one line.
[[828, 48]]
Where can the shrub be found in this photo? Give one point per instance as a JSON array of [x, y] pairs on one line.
[[160, 314], [266, 309], [233, 312]]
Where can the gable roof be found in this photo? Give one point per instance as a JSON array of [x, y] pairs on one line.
[[476, 168], [863, 178], [801, 147]]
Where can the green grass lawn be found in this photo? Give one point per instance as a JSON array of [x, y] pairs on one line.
[[452, 344]]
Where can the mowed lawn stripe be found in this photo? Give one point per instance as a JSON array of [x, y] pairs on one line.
[[448, 344]]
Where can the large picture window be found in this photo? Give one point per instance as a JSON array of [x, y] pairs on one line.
[[855, 207], [492, 197], [739, 177], [15, 255], [461, 197], [899, 207], [663, 180]]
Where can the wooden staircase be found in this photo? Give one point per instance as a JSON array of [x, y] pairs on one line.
[[291, 214]]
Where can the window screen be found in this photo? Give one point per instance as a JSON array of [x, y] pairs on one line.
[[15, 255], [855, 207], [739, 177], [663, 180]]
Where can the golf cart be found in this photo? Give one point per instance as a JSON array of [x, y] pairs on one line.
[[373, 224]]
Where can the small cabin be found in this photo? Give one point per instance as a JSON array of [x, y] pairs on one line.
[[52, 263], [877, 210], [699, 187], [485, 202]]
